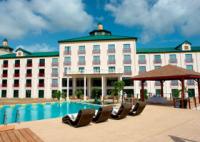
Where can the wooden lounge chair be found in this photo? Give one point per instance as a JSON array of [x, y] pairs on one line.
[[83, 118], [138, 108], [122, 112], [6, 127], [103, 114]]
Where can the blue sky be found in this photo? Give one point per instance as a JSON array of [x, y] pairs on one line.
[[37, 25]]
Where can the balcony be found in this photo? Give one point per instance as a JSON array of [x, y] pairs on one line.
[[190, 82], [41, 64], [4, 75], [81, 63], [54, 74], [28, 85], [81, 52], [127, 72], [41, 85], [142, 62], [111, 62], [174, 83], [67, 52], [96, 62], [5, 65], [127, 61], [4, 85], [172, 61], [17, 65], [41, 74], [16, 75], [126, 50], [188, 60], [16, 85], [29, 75], [95, 51], [29, 64], [54, 64], [157, 61], [67, 63], [111, 51], [54, 85]]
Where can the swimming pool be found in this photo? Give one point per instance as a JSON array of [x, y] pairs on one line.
[[30, 112]]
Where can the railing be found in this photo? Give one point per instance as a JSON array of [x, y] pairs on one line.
[[54, 74], [96, 62], [16, 65], [81, 63], [41, 64], [81, 51], [15, 85], [29, 64], [16, 75], [111, 62], [111, 51], [157, 61], [95, 51], [28, 85], [141, 61], [41, 85], [126, 50], [127, 61], [4, 75], [67, 52], [54, 85], [4, 85], [54, 64], [127, 73], [172, 60], [41, 74], [67, 63], [29, 75], [5, 65], [188, 60]]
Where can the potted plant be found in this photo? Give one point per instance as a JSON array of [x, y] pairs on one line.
[[118, 87], [78, 93], [96, 93]]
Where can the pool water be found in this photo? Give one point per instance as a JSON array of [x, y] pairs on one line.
[[30, 112]]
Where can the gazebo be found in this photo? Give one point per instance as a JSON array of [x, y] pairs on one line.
[[166, 73]]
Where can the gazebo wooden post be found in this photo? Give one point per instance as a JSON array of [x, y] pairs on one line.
[[198, 82], [161, 90], [142, 90], [182, 93]]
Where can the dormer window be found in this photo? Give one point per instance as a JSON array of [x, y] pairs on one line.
[[186, 47]]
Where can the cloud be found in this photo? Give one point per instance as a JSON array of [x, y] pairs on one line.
[[40, 47], [158, 17], [21, 17]]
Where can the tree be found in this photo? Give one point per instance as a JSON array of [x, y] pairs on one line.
[[78, 93], [57, 94], [118, 87]]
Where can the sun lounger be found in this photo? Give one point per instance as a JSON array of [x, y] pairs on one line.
[[83, 118], [138, 108], [6, 127], [103, 114], [122, 112]]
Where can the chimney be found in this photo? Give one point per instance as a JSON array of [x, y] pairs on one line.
[[100, 26], [5, 42]]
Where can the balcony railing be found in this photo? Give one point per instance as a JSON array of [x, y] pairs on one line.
[[81, 63], [111, 62], [96, 62], [5, 65], [41, 64], [127, 72], [142, 62], [54, 74], [41, 74], [29, 64], [188, 60], [126, 50], [157, 61], [4, 75], [67, 52], [28, 85], [67, 63], [4, 85], [111, 50], [15, 85], [17, 65], [29, 75], [54, 85], [127, 61], [54, 64], [172, 60], [95, 51], [41, 85], [16, 75], [81, 51]]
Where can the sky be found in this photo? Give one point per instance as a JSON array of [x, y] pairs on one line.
[[37, 25]]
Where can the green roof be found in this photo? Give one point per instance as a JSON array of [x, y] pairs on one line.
[[31, 55], [23, 50], [6, 47], [165, 50], [97, 37]]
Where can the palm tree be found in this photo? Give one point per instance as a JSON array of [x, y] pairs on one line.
[[118, 87]]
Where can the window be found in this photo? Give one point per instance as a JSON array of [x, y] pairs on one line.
[[4, 83], [111, 69], [67, 60], [81, 69], [96, 59], [127, 59], [190, 82], [54, 82], [41, 93], [28, 72], [96, 48], [111, 59], [172, 58], [55, 60], [142, 59], [127, 69], [16, 73], [55, 71], [17, 63], [189, 67], [81, 60], [16, 94], [174, 83], [64, 82], [41, 72], [67, 70], [188, 58], [4, 93], [29, 63], [158, 92], [157, 59], [42, 62], [81, 50], [28, 93], [96, 69], [68, 48], [41, 82], [28, 83], [111, 48], [142, 69], [16, 83], [128, 81], [5, 73], [126, 48], [5, 63]]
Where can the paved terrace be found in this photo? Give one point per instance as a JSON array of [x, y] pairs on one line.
[[156, 124]]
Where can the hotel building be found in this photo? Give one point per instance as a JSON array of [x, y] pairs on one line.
[[93, 61]]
